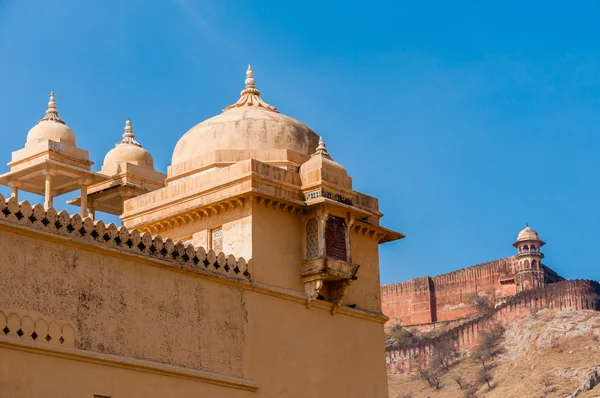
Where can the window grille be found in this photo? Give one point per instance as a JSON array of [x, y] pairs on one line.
[[335, 238], [216, 239], [312, 238]]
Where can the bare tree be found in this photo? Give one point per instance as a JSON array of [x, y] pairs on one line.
[[485, 304], [432, 375], [458, 378], [481, 354], [444, 356], [484, 375]]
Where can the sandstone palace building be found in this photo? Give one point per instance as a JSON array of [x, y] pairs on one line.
[[249, 269]]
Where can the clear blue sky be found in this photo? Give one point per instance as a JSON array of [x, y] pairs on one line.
[[465, 119]]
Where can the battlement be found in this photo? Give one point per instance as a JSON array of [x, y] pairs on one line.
[[122, 238], [448, 297], [576, 294]]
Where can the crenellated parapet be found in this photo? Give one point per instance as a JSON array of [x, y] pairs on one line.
[[575, 294], [121, 238]]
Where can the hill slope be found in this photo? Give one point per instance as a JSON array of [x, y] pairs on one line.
[[549, 354]]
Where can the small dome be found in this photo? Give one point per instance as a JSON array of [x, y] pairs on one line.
[[250, 123], [321, 167], [51, 127], [527, 234], [126, 151]]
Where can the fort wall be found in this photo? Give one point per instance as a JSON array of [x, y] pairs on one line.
[[576, 294], [447, 297], [133, 308]]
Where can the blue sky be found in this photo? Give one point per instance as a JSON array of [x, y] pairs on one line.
[[466, 119]]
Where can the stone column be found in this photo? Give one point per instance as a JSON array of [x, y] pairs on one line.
[[322, 219], [349, 223], [83, 209], [92, 210], [48, 188], [15, 189]]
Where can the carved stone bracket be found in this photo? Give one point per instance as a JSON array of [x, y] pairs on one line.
[[311, 289], [339, 274]]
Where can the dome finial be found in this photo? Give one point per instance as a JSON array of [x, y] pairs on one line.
[[128, 136], [52, 112], [250, 82], [322, 149], [250, 96]]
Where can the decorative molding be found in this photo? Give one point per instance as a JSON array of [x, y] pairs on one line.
[[35, 327], [120, 362], [327, 194]]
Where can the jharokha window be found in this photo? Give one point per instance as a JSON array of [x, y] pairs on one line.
[[335, 238], [312, 238], [216, 239]]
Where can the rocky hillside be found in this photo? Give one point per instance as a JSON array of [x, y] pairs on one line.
[[549, 354]]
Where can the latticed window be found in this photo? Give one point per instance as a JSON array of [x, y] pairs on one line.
[[216, 239], [335, 238], [312, 238]]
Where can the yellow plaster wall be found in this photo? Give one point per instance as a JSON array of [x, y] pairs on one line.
[[123, 307], [364, 292], [277, 247], [298, 352], [29, 374], [135, 307]]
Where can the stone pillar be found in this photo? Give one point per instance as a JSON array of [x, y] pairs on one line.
[[92, 210], [83, 211], [15, 190], [48, 197], [322, 219]]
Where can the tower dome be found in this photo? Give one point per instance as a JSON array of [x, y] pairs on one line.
[[128, 150], [249, 124], [527, 234], [51, 127]]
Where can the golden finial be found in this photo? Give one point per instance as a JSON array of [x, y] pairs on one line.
[[322, 149], [128, 136], [52, 112], [250, 96]]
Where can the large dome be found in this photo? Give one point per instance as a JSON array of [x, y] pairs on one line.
[[248, 124], [51, 127]]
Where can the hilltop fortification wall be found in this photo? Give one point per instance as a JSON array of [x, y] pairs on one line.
[[447, 297], [576, 294]]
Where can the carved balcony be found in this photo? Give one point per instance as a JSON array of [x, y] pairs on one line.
[[338, 273], [328, 268]]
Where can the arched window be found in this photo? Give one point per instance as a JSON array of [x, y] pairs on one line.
[[335, 238], [533, 248], [526, 264], [312, 238], [526, 248], [534, 264]]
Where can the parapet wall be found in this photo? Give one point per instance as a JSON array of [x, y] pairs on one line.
[[446, 297], [576, 294], [121, 238]]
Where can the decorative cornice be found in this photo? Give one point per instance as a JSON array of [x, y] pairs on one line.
[[250, 96], [52, 112]]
